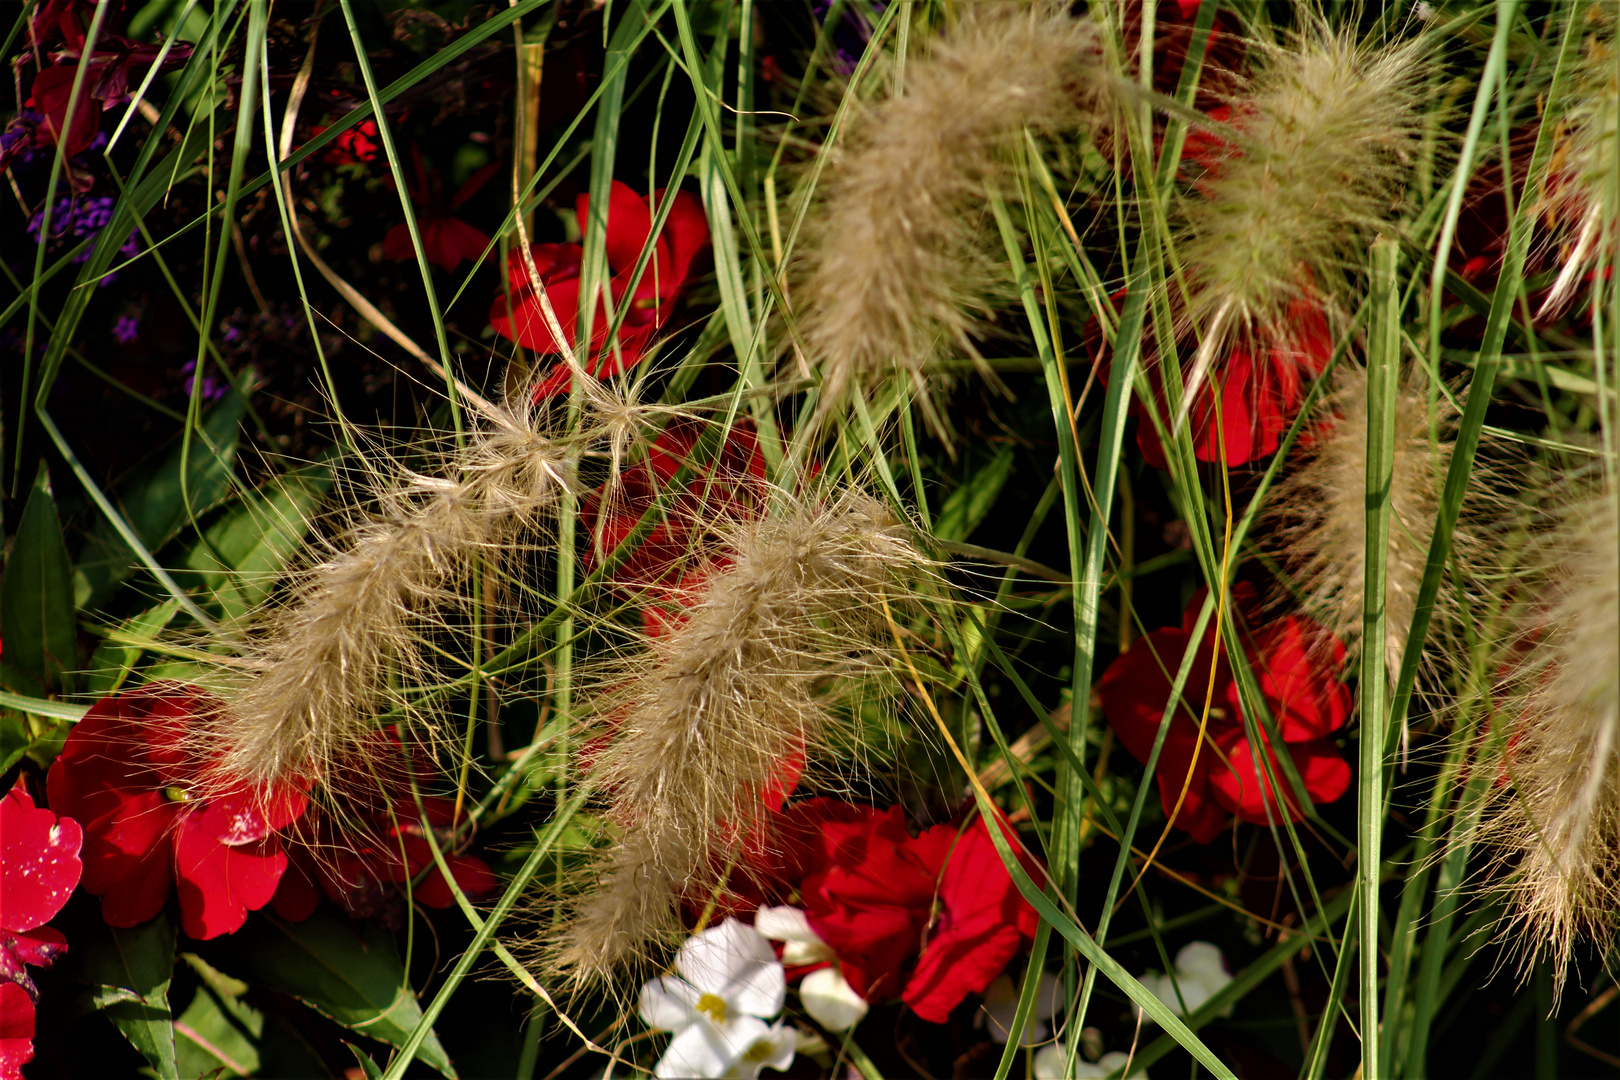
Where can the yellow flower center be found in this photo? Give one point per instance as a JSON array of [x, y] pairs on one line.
[[713, 1006]]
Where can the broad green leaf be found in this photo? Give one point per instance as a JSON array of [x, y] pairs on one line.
[[115, 657], [349, 972], [36, 598], [967, 506], [153, 502], [128, 972], [242, 553], [367, 1066], [218, 1034]]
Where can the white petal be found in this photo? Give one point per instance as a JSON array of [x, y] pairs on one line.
[[805, 953], [1001, 1007], [735, 962], [1200, 958], [699, 1051], [1052, 1062], [774, 1049], [830, 1000], [785, 924], [1113, 1061], [668, 1004]]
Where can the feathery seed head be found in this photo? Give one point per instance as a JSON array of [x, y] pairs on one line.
[[1320, 507], [1556, 826], [1311, 163], [893, 276], [697, 725]]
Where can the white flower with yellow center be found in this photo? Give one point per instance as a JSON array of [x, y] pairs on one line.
[[825, 994], [728, 983]]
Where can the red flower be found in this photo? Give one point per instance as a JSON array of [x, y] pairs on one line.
[[39, 866], [372, 840], [670, 566], [650, 305], [445, 238], [881, 899], [115, 63], [158, 812], [1297, 665]]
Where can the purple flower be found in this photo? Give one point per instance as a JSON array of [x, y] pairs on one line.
[[127, 328], [93, 215], [61, 218], [212, 389], [849, 37]]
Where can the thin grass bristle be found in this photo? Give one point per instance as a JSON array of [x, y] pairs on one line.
[[697, 725], [892, 276], [1556, 822]]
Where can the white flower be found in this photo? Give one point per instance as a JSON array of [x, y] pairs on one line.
[[800, 944], [729, 983], [825, 994], [1052, 1062], [1200, 975], [1001, 1008], [830, 1000]]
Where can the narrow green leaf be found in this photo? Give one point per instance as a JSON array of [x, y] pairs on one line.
[[971, 503], [36, 598], [115, 658], [153, 503], [349, 972], [128, 972]]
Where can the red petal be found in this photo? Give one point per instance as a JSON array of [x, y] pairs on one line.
[[39, 861], [296, 895], [1298, 664], [219, 885], [397, 244], [16, 1030], [39, 948], [474, 876], [526, 323], [628, 225], [1240, 786], [50, 94], [686, 231]]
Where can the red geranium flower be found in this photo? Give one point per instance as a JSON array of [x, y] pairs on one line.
[[39, 866], [628, 226], [371, 839], [1297, 664], [445, 238], [881, 899], [157, 813]]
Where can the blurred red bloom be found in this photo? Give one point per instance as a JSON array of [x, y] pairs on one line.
[[356, 145], [115, 62], [446, 239], [940, 904], [371, 839], [39, 866], [157, 813], [1297, 664], [671, 564], [628, 226]]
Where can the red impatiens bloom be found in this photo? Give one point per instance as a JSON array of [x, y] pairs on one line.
[[673, 561], [39, 866], [371, 839], [446, 239], [1297, 664], [941, 904], [649, 307], [157, 812]]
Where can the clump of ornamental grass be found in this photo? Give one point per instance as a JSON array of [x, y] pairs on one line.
[[1555, 823], [1580, 193], [359, 618], [1310, 164], [698, 724], [895, 273], [1319, 508]]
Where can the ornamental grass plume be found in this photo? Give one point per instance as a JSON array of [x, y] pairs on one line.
[[1310, 163], [1319, 508], [321, 663], [893, 276], [1580, 192], [1555, 823], [698, 725]]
